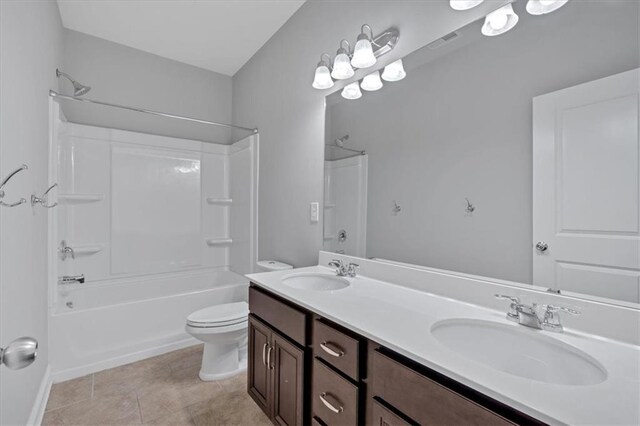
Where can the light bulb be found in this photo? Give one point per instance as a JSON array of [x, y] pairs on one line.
[[342, 66], [322, 78], [500, 21], [352, 91], [363, 56], [542, 7], [372, 82], [394, 71], [464, 4]]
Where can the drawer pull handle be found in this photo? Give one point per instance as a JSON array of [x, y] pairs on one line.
[[337, 351], [330, 406], [264, 350]]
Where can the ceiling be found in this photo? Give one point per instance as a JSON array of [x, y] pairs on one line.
[[218, 35]]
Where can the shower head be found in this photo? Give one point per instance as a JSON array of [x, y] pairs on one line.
[[78, 88], [340, 141]]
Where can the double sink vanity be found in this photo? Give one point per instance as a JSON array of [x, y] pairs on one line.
[[338, 350]]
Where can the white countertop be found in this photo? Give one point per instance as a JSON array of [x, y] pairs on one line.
[[401, 318]]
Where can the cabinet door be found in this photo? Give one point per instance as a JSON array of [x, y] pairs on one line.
[[287, 369], [258, 374], [383, 417]]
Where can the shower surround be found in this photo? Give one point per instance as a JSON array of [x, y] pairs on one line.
[[159, 227]]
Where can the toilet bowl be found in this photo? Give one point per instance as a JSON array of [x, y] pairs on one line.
[[223, 329]]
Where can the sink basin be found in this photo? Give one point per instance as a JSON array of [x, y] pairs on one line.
[[526, 353], [315, 281]]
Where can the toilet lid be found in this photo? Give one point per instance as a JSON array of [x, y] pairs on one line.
[[220, 315]]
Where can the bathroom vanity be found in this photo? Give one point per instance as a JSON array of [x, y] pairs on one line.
[[305, 369], [403, 346]]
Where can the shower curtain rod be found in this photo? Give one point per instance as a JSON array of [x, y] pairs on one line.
[[54, 94]]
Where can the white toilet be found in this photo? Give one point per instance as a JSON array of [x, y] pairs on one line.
[[223, 329]]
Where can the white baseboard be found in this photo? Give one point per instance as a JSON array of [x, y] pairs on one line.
[[83, 370], [40, 404]]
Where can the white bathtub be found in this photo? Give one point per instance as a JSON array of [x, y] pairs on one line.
[[116, 323]]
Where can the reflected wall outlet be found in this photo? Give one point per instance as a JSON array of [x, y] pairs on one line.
[[314, 212]]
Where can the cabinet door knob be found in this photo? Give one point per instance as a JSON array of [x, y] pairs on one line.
[[330, 406], [264, 354], [269, 358], [335, 351]]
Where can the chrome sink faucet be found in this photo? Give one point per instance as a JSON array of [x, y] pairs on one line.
[[344, 269], [544, 317]]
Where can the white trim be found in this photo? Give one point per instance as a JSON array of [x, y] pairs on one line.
[[83, 370], [40, 403]]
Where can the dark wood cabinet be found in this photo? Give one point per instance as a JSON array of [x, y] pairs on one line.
[[275, 374]]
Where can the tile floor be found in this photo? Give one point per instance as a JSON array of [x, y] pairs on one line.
[[164, 390]]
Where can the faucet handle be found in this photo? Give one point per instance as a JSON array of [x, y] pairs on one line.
[[512, 315], [551, 320], [351, 269]]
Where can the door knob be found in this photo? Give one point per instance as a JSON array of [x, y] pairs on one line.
[[20, 353], [541, 246]]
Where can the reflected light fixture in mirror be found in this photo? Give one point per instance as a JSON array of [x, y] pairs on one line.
[[322, 79], [372, 82], [500, 21], [542, 7], [352, 91], [464, 4], [363, 56], [342, 68], [394, 71]]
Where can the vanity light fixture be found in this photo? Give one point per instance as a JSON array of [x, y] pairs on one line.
[[542, 7], [363, 56], [352, 91], [500, 21], [372, 82], [342, 68], [394, 71], [322, 78], [464, 4]]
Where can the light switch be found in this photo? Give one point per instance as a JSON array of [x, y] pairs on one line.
[[314, 212]]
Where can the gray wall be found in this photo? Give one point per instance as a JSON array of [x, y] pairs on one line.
[[273, 91], [127, 76], [30, 51], [461, 126]]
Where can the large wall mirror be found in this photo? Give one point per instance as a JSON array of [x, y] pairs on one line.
[[514, 157]]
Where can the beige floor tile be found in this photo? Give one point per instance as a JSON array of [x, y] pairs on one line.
[[230, 408], [235, 383], [171, 358], [178, 418], [118, 410], [127, 378], [70, 392], [52, 418], [184, 389]]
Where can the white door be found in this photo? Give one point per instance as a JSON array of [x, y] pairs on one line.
[[586, 196]]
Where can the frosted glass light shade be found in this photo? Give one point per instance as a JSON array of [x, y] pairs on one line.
[[352, 91], [542, 7], [363, 56], [500, 21], [372, 82], [394, 71], [464, 4], [322, 79], [342, 67]]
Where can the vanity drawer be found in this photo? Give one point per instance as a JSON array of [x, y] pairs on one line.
[[333, 399], [382, 416], [424, 400], [336, 348], [285, 318]]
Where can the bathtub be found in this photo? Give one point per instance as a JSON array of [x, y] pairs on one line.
[[98, 326]]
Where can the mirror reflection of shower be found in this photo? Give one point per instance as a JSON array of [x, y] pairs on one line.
[[343, 152], [79, 89]]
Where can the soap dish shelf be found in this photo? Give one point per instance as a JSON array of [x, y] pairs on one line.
[[219, 201], [79, 198], [216, 242]]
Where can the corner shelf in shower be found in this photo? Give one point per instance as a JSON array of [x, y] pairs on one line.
[[219, 242], [87, 249], [219, 201], [79, 198]]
